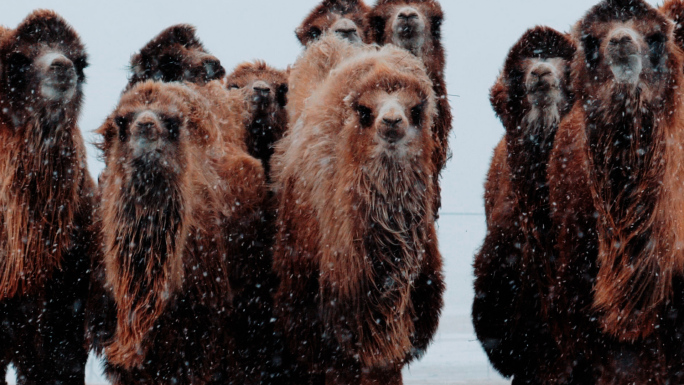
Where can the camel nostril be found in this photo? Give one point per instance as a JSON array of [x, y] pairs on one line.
[[213, 68], [147, 130], [61, 65], [262, 91], [391, 121], [621, 40], [346, 32], [541, 73], [408, 16]]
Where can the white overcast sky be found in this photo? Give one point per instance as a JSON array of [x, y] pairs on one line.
[[477, 36]]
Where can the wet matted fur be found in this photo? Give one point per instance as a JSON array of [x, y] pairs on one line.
[[427, 45], [47, 201], [176, 54], [332, 14], [178, 231], [616, 195], [356, 250], [514, 267], [674, 9]]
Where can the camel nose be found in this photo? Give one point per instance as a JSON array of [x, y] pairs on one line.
[[346, 29], [62, 71], [349, 34], [61, 64], [147, 127], [261, 88], [392, 121], [542, 74], [393, 128], [213, 68], [408, 13], [623, 44]]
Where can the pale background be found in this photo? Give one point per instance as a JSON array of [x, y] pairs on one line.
[[477, 36]]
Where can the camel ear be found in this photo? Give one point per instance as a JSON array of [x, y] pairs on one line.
[[108, 132], [436, 27], [281, 95], [498, 97], [140, 67], [591, 46]]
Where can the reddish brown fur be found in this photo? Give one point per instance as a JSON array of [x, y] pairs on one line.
[[267, 122], [313, 67], [674, 9], [28, 262], [327, 14], [186, 226], [327, 256], [47, 201], [3, 30], [614, 181], [514, 267], [176, 54], [380, 29]]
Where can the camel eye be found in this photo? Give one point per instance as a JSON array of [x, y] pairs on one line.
[[170, 68], [233, 86], [173, 125], [281, 95], [591, 46], [365, 115], [18, 65], [656, 44], [417, 114], [315, 33], [81, 63], [122, 125]]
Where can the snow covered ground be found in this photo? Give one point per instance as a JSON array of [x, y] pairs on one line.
[[477, 36]]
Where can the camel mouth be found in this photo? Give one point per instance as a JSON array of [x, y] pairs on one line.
[[627, 70]]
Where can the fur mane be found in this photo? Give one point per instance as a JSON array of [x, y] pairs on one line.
[[43, 170], [634, 169], [153, 237], [374, 220], [530, 134]]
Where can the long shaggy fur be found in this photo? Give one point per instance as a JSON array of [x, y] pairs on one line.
[[515, 266], [614, 180], [674, 9], [432, 53], [176, 233], [47, 200], [324, 16], [313, 67], [361, 278], [176, 54]]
